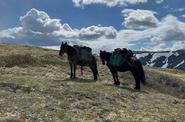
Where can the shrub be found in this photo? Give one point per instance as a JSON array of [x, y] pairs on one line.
[[30, 60], [17, 60]]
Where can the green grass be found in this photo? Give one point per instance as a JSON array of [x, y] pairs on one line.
[[42, 91]]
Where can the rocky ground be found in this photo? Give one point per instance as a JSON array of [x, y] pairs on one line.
[[39, 90]]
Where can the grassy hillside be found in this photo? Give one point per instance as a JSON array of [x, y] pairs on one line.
[[38, 89]]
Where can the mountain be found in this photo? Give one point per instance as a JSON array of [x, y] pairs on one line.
[[163, 59]]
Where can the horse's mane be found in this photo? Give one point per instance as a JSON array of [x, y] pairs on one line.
[[109, 53]]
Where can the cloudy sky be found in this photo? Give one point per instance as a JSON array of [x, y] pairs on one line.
[[100, 24]]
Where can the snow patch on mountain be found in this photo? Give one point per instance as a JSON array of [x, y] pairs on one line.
[[141, 55], [163, 59], [157, 55], [179, 64]]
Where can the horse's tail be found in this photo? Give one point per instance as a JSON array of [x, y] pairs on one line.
[[96, 66], [142, 73]]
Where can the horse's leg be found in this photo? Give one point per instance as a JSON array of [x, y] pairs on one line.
[[81, 70], [137, 87], [117, 79], [93, 67], [137, 80], [71, 75], [114, 78], [74, 71], [94, 70], [113, 72]]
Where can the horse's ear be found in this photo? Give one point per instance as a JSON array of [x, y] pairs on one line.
[[101, 51], [66, 43]]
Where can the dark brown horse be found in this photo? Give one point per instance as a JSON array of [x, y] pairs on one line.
[[73, 54], [132, 64]]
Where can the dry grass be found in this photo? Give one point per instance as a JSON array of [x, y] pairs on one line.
[[169, 81], [42, 91], [14, 55]]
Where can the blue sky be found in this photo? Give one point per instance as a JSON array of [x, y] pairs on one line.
[[106, 23], [61, 9], [11, 10]]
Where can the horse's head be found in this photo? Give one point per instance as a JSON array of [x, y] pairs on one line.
[[63, 48], [103, 56]]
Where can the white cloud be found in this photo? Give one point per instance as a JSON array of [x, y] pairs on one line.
[[10, 33], [159, 1], [139, 19], [109, 3], [169, 29], [179, 10], [39, 29], [183, 16], [156, 47], [94, 32], [39, 21], [178, 45]]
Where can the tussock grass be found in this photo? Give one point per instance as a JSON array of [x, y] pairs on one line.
[[29, 60], [167, 81], [17, 60]]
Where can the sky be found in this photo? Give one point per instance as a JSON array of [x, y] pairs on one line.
[[101, 24]]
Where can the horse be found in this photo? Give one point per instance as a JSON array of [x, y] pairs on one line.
[[133, 65], [73, 54]]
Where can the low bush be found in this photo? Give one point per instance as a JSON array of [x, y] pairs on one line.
[[29, 60]]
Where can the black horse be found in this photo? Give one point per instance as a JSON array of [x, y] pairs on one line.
[[73, 54], [134, 65]]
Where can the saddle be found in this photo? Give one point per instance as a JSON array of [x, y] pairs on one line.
[[120, 56], [127, 54], [85, 55]]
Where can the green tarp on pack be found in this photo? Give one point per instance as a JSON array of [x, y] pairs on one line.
[[116, 60], [85, 56]]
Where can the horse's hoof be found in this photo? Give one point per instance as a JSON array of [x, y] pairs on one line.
[[117, 83], [136, 88], [72, 78], [145, 83], [95, 78]]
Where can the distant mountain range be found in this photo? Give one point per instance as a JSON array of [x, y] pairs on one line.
[[163, 59]]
